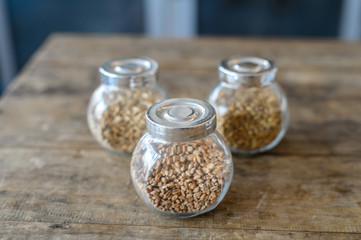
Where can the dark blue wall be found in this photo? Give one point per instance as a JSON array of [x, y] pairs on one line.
[[33, 20], [270, 17]]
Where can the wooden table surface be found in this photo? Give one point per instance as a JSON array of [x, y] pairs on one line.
[[56, 182]]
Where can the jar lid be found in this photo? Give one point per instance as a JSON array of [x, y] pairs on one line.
[[249, 71], [181, 119], [128, 69]]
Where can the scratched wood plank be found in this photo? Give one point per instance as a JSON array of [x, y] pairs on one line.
[[71, 79], [327, 128], [268, 192], [300, 62], [40, 231], [56, 182], [69, 67]]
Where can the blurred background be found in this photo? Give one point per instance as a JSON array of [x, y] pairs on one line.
[[25, 24]]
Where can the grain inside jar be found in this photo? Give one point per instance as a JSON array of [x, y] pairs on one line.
[[123, 122], [187, 177], [253, 120]]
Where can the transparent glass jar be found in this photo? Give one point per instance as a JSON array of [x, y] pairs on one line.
[[252, 109], [116, 111], [181, 167]]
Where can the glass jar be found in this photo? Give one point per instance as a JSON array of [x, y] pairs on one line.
[[181, 167], [116, 112], [252, 109]]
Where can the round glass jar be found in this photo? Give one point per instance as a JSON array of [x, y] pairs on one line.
[[252, 109], [116, 112], [181, 167]]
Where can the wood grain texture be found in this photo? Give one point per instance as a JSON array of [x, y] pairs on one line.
[[56, 182]]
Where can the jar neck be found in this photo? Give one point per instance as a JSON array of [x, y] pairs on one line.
[[131, 82], [238, 80], [176, 138]]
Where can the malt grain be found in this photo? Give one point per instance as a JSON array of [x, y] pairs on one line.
[[188, 183], [123, 122], [252, 121]]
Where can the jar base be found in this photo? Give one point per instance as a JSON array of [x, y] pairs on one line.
[[116, 152], [273, 144], [185, 215]]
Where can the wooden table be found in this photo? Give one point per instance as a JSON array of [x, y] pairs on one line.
[[56, 182]]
